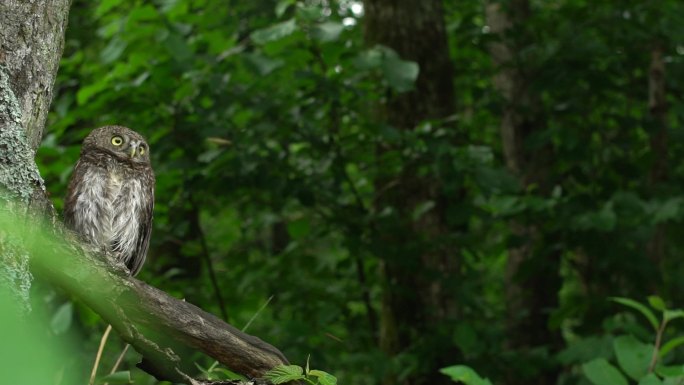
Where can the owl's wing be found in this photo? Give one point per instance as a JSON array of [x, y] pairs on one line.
[[145, 229], [73, 191]]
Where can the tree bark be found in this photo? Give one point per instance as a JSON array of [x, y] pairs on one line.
[[532, 270], [416, 260], [31, 42], [164, 329]]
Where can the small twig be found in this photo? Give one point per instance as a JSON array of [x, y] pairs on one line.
[[257, 313], [658, 342], [207, 259], [118, 360], [103, 341]]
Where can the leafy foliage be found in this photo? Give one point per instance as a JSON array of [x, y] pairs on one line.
[[286, 373], [272, 164]]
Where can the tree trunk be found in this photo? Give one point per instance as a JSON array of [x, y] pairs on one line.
[[657, 104], [31, 42], [416, 261], [532, 272]]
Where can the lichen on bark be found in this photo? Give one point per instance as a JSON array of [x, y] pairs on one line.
[[19, 177]]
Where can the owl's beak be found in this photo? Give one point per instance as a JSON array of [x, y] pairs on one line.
[[134, 149]]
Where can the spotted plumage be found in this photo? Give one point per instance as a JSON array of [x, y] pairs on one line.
[[110, 197]]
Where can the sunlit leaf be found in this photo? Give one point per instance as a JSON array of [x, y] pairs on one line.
[[285, 373], [328, 31], [400, 74], [274, 32], [283, 6], [323, 377], [464, 374]]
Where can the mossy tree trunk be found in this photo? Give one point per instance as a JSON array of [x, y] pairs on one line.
[[31, 42]]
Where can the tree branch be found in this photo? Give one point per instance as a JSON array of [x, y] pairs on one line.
[[164, 329]]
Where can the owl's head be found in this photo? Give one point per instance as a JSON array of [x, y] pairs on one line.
[[121, 142]]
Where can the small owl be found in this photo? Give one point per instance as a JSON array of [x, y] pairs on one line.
[[110, 197]]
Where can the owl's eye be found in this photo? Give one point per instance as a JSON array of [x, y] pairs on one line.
[[141, 150], [117, 140]]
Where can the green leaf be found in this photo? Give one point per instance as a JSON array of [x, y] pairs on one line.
[[369, 59], [123, 377], [328, 31], [650, 379], [285, 373], [178, 47], [144, 13], [601, 372], [105, 6], [309, 13], [656, 302], [633, 356], [283, 6], [400, 74], [324, 378], [676, 371], [230, 375], [464, 374], [673, 380], [86, 93], [113, 50], [274, 32], [669, 345], [666, 211], [62, 319], [640, 308], [670, 315], [264, 65]]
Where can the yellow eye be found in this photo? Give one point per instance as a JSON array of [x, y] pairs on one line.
[[117, 140], [141, 150]]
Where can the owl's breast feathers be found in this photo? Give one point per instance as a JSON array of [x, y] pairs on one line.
[[111, 206]]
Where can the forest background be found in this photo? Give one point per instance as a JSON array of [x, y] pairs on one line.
[[394, 187]]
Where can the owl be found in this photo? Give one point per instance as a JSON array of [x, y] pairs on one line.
[[110, 197]]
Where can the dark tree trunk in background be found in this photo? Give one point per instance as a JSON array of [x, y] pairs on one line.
[[657, 104], [31, 42], [416, 260], [532, 271]]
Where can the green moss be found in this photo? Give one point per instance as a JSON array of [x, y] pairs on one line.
[[18, 177]]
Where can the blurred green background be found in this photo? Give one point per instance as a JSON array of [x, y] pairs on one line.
[[336, 171]]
